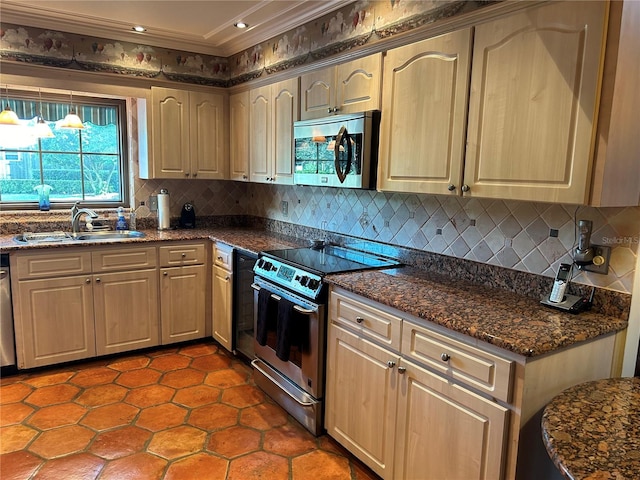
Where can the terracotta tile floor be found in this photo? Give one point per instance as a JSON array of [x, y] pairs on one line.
[[187, 412]]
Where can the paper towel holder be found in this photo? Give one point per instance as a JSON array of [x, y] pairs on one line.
[[164, 216]]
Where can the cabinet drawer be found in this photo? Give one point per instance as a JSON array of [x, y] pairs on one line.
[[366, 319], [473, 366], [58, 264], [223, 256], [182, 254], [129, 258]]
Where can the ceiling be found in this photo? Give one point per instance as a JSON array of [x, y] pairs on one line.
[[200, 26]]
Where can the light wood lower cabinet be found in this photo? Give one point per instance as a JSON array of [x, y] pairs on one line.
[[414, 400], [126, 310], [183, 283], [53, 320], [361, 398], [444, 430], [222, 301]]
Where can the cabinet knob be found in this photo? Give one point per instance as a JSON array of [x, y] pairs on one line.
[[244, 177], [401, 370], [184, 255], [451, 187], [219, 258], [186, 174], [329, 110], [88, 280], [445, 357], [165, 273], [335, 109], [195, 174], [466, 188], [227, 277], [98, 280], [391, 364], [359, 319]]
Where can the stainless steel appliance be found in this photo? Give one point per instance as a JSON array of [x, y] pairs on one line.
[[338, 151], [290, 323], [7, 342]]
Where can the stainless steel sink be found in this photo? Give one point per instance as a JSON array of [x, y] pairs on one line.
[[66, 237], [108, 235]]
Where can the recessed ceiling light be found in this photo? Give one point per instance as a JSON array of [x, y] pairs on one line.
[[240, 25], [139, 28]]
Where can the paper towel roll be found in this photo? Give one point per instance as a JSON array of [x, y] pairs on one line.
[[163, 210]]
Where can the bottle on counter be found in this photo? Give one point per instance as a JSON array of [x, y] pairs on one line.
[[121, 223]]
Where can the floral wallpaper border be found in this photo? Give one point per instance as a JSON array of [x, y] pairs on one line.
[[360, 23]]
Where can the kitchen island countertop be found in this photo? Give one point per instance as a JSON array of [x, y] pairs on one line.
[[592, 430]]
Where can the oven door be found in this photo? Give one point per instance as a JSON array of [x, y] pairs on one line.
[[303, 362]]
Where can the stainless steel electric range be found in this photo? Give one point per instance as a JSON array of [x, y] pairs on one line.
[[291, 320]]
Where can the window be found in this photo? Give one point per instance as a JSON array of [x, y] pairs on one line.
[[88, 165]]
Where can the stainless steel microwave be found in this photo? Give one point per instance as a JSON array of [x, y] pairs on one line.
[[338, 151]]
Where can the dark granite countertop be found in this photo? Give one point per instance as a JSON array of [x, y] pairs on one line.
[[510, 321], [507, 320], [252, 240], [592, 430]]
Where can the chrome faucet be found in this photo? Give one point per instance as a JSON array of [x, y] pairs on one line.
[[76, 213]]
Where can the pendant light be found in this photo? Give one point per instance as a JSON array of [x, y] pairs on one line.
[[72, 120], [42, 129], [8, 116]]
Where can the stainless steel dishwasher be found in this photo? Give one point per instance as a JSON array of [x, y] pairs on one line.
[[7, 342]]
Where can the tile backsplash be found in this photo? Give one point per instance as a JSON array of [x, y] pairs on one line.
[[525, 236]]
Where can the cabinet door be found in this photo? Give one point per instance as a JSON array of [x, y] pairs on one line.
[[54, 321], [126, 311], [222, 307], [445, 431], [358, 84], [285, 111], [239, 136], [534, 90], [423, 152], [317, 96], [260, 141], [361, 398], [182, 307], [208, 132], [170, 133]]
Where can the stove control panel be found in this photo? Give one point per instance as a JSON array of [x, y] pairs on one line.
[[294, 278]]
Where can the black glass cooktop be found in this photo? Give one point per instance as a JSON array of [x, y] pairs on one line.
[[331, 259]]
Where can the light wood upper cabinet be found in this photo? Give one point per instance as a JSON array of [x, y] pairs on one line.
[[350, 87], [273, 109], [533, 103], [189, 135], [424, 106], [239, 136]]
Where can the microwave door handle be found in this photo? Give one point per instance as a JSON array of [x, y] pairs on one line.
[[343, 134]]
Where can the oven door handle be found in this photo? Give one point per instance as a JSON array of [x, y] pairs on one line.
[[297, 308], [256, 364]]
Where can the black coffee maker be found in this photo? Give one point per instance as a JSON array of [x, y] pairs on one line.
[[188, 216]]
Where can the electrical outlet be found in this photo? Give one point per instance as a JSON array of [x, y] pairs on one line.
[[601, 257], [284, 208], [153, 203]]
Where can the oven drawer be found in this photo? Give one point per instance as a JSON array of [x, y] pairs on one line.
[[473, 366], [367, 320], [223, 255]]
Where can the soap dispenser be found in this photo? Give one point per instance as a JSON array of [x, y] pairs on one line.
[[121, 223]]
